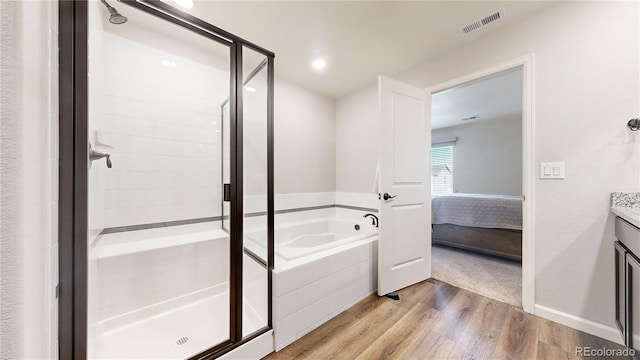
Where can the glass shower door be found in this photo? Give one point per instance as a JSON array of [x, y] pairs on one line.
[[255, 185], [255, 194], [159, 276]]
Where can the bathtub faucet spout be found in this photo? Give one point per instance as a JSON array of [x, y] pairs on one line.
[[374, 219]]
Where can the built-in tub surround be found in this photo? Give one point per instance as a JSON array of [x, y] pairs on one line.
[[323, 266], [297, 240], [627, 206]]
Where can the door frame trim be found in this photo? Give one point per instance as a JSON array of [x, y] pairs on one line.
[[527, 63]]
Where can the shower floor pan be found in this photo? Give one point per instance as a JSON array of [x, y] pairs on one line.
[[176, 334]]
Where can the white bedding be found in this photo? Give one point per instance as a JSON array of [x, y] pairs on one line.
[[478, 210]]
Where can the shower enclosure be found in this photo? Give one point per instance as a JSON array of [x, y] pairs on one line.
[[166, 167]]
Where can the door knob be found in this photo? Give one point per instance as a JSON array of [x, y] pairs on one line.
[[386, 196]]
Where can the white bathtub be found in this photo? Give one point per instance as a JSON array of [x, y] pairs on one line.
[[322, 267], [296, 240]]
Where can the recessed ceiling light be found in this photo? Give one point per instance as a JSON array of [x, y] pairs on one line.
[[319, 64], [249, 88], [185, 3], [166, 62], [169, 63]]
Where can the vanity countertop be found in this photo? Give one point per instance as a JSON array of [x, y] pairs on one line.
[[627, 206]]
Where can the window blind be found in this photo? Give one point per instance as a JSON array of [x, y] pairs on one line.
[[441, 170]]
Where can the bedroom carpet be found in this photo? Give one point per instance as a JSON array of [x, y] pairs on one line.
[[490, 276]]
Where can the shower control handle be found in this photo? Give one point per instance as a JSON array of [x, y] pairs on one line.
[[386, 196], [97, 155]]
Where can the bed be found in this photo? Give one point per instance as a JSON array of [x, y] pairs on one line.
[[490, 224]]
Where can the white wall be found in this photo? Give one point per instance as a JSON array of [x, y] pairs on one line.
[[586, 88], [28, 170], [487, 158], [357, 141], [11, 312], [305, 140]]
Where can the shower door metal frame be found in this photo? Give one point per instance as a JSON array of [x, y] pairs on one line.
[[73, 180], [73, 173]]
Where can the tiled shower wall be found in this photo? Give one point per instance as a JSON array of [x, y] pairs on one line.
[[160, 120]]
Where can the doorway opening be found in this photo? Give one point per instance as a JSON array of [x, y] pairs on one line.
[[481, 157]]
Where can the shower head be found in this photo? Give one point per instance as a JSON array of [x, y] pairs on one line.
[[115, 17]]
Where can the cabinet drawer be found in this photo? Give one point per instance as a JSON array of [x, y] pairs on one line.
[[629, 235]]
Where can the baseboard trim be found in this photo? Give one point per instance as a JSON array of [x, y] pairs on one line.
[[578, 323]]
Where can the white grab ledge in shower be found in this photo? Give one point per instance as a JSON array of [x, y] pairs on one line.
[[131, 242]]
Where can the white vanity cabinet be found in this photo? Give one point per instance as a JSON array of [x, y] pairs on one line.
[[627, 277]]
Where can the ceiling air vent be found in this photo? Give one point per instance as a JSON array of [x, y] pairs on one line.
[[482, 22]]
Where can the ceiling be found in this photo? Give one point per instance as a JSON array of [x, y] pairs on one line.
[[490, 98], [359, 39]]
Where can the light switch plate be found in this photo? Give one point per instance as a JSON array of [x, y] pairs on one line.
[[553, 170]]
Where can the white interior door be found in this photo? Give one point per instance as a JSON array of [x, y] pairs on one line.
[[404, 245]]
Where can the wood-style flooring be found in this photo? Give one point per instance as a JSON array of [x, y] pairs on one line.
[[434, 320]]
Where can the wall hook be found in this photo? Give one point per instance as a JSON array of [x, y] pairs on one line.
[[634, 124]]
